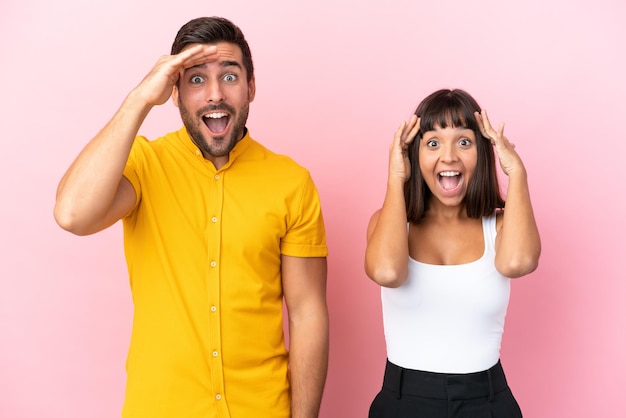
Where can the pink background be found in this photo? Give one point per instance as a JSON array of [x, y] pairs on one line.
[[334, 80]]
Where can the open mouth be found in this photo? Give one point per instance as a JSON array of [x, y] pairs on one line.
[[217, 122], [450, 180]]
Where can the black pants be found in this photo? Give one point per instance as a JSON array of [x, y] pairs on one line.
[[410, 393]]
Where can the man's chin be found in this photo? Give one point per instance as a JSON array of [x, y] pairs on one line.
[[220, 147]]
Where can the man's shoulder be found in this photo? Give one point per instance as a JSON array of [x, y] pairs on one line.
[[159, 144], [264, 154], [161, 139]]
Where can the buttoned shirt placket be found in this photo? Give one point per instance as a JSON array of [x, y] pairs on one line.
[[215, 206]]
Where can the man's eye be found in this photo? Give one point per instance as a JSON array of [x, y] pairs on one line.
[[230, 77], [196, 79]]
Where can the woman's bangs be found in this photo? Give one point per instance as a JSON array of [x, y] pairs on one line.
[[444, 117]]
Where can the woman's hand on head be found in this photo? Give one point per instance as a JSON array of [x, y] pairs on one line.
[[399, 164], [510, 161]]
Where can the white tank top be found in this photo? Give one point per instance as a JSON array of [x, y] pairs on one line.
[[448, 319]]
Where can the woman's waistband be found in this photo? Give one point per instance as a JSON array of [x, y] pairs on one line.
[[403, 381]]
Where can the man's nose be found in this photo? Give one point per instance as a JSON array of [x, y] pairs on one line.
[[214, 93]]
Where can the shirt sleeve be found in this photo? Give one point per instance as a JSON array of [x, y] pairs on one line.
[[131, 171], [306, 236]]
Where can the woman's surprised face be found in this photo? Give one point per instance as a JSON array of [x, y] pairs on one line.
[[447, 160]]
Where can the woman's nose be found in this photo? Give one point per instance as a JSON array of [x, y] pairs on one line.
[[448, 153]]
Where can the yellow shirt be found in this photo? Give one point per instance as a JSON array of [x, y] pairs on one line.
[[203, 249]]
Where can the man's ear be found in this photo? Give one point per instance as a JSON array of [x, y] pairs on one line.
[[175, 95], [251, 89]]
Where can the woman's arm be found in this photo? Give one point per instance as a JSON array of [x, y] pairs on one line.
[[518, 245], [387, 252]]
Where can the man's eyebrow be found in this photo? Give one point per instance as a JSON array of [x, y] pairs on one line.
[[230, 64], [223, 64]]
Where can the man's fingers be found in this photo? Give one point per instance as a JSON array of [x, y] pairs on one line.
[[197, 54]]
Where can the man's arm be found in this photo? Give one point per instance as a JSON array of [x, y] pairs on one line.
[[93, 194], [304, 286]]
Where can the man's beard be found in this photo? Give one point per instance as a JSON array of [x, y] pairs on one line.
[[219, 146]]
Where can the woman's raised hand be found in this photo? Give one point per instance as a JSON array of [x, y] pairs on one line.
[[399, 164], [509, 159]]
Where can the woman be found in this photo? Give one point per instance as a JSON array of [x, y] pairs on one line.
[[443, 247]]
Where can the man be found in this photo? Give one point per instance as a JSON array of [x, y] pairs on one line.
[[217, 230]]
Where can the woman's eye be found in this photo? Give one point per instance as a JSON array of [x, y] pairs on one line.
[[196, 79], [230, 77], [465, 142], [431, 143]]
